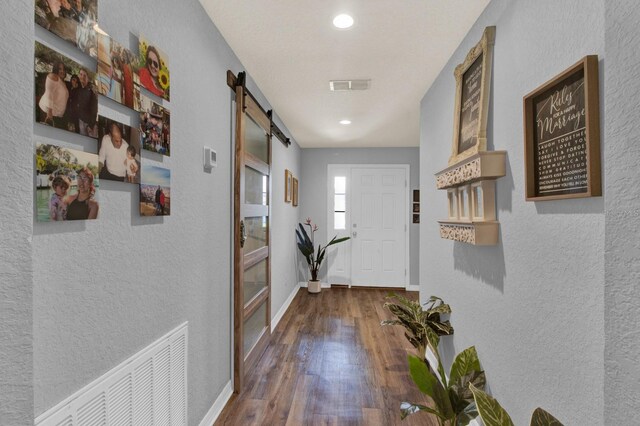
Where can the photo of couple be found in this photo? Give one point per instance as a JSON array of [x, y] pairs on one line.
[[155, 191], [117, 78], [118, 151], [71, 20], [66, 184], [65, 95]]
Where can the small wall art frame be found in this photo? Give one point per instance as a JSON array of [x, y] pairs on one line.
[[562, 135], [288, 185], [294, 189], [473, 83]]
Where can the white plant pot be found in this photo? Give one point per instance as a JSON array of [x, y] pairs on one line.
[[314, 286]]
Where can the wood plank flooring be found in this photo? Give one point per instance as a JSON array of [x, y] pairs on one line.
[[330, 363]]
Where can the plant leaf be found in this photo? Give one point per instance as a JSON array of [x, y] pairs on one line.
[[469, 413], [490, 410], [429, 385], [459, 392], [541, 417], [338, 240], [408, 408], [465, 363], [422, 377], [307, 240]]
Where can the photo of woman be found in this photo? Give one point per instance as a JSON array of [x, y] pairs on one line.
[[153, 69], [65, 96], [53, 102], [71, 20], [66, 184], [116, 78]]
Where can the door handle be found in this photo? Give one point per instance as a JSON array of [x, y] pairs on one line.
[[354, 233], [243, 235]]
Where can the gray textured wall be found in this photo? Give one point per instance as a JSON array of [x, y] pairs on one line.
[[622, 219], [533, 304], [313, 187], [16, 224], [284, 219], [105, 289]]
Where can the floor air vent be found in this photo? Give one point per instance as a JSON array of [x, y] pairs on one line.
[[348, 85], [149, 388]]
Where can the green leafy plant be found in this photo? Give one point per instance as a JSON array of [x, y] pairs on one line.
[[493, 414], [453, 402], [307, 247], [423, 327]]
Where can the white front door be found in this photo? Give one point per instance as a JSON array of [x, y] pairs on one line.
[[376, 219]]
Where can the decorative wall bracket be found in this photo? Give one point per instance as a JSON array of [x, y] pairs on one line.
[[483, 165], [476, 233]]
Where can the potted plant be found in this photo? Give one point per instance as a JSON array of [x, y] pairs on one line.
[[307, 248], [423, 327]]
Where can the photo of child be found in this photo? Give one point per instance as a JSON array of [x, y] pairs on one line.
[[131, 164], [66, 184], [57, 206]]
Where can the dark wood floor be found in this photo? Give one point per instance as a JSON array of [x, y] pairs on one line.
[[330, 363]]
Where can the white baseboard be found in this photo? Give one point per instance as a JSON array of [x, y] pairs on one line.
[[276, 319], [412, 288], [322, 285], [218, 406]]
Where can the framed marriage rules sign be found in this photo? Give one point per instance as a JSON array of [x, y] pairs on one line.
[[562, 135]]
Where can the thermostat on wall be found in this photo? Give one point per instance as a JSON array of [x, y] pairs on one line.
[[210, 158]]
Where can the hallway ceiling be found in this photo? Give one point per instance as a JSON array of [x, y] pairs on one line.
[[292, 50]]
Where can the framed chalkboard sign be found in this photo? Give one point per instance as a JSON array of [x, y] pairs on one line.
[[562, 135], [473, 79]]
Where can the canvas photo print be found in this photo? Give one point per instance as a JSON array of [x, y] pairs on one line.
[[66, 184], [155, 191], [153, 69], [65, 95], [155, 125], [72, 20], [118, 151], [116, 77]]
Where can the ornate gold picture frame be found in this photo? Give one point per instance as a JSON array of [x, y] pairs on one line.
[[473, 86]]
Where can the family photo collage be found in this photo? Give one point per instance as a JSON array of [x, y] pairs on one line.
[[66, 97]]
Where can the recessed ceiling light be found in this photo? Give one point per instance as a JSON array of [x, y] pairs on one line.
[[345, 122], [343, 21]]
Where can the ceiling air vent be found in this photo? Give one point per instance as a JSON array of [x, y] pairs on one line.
[[348, 85]]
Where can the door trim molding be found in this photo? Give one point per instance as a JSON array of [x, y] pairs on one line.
[[329, 197]]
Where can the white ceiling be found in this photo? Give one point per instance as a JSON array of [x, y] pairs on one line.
[[291, 49]]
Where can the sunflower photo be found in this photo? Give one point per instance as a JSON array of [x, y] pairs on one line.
[[116, 77], [153, 69], [65, 96], [71, 20], [66, 184], [155, 191]]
